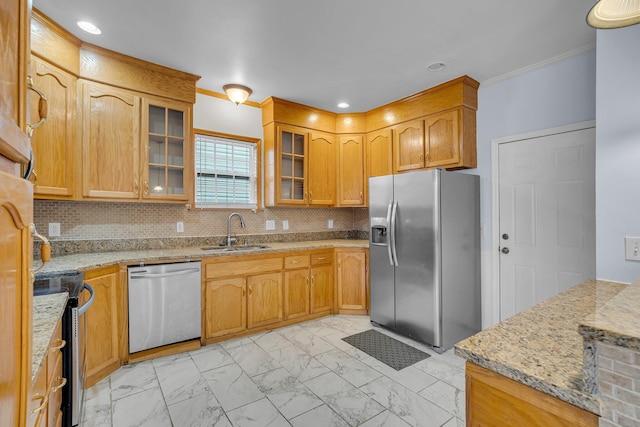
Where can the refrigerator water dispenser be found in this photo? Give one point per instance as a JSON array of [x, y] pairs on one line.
[[379, 231]]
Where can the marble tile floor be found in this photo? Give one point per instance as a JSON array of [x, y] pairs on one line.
[[302, 375]]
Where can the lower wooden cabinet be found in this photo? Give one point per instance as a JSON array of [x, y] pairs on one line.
[[495, 400], [264, 303], [226, 306], [308, 282], [45, 397], [352, 283], [103, 355]]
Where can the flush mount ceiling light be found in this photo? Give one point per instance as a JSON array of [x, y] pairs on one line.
[[237, 93], [343, 105], [607, 14], [89, 27], [436, 66]]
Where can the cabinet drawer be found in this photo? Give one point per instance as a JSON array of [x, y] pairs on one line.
[[296, 261], [242, 267], [325, 257]]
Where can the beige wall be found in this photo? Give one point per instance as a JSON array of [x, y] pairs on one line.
[[107, 220]]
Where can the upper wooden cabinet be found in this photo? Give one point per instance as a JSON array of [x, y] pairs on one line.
[[54, 143], [110, 120], [408, 146], [378, 153], [450, 139], [322, 169], [351, 179]]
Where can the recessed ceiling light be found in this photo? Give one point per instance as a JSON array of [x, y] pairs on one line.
[[89, 27], [437, 66], [343, 105]]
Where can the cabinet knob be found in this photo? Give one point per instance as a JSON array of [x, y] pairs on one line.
[[42, 405], [62, 383], [59, 346]]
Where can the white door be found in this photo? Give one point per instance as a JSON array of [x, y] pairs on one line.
[[546, 217]]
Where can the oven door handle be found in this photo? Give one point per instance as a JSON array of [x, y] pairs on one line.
[[86, 305]]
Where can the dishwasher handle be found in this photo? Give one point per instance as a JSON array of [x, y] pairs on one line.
[[145, 275], [87, 304]]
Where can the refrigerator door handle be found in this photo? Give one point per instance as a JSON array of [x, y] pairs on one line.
[[394, 214], [390, 239]]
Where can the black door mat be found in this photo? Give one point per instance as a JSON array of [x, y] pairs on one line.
[[390, 351]]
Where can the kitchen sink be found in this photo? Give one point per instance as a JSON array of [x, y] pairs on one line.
[[233, 248]]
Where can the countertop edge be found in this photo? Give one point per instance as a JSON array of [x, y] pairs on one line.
[[48, 310]]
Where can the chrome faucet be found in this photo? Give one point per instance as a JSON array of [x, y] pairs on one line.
[[230, 239]]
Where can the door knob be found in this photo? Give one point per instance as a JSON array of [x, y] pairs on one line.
[[505, 236], [505, 250]]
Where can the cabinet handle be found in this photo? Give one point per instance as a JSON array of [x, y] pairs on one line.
[[313, 281], [45, 248], [250, 290], [310, 196], [34, 178], [135, 187], [361, 197], [295, 261], [422, 157], [42, 107], [428, 157], [59, 347], [45, 399], [307, 280], [320, 258], [244, 292], [63, 382], [146, 188], [305, 196]]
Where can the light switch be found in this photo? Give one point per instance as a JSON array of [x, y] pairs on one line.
[[632, 248], [54, 229], [270, 224], [285, 224]]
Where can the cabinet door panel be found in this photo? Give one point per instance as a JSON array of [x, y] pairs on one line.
[[265, 299], [111, 141], [53, 143], [296, 293], [225, 306], [322, 169], [442, 139], [321, 288], [351, 170], [379, 158], [352, 287], [102, 353], [408, 146], [292, 161]]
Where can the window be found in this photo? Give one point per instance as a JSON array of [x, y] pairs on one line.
[[226, 171]]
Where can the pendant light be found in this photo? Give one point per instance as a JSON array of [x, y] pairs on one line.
[[237, 93], [607, 14]]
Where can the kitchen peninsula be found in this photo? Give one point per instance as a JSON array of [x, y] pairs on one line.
[[539, 366]]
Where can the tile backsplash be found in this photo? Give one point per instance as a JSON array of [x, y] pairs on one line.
[[110, 220]]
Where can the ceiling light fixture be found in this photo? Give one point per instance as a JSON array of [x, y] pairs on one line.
[[343, 105], [437, 66], [607, 14], [89, 27], [237, 93]]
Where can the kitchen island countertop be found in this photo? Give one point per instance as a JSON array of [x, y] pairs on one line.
[[542, 347]]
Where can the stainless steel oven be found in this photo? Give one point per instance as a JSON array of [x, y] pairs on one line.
[[74, 333]]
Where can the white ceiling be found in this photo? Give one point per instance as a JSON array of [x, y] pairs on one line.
[[318, 53]]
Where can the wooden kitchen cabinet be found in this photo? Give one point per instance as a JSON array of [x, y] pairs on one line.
[[322, 169], [102, 351], [167, 151], [378, 153], [54, 143], [352, 281], [408, 146], [297, 298], [308, 280], [495, 400], [226, 306], [264, 299], [110, 120], [351, 174], [450, 139]]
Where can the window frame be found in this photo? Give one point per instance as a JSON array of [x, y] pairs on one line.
[[239, 138]]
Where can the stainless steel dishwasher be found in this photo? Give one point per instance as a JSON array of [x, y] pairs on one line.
[[164, 304]]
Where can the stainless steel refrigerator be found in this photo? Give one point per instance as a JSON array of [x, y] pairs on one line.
[[424, 248]]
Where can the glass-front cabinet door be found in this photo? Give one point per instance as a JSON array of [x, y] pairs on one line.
[[167, 164], [293, 163]]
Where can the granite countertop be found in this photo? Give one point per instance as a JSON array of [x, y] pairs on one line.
[[542, 346], [47, 311], [88, 261], [616, 322]]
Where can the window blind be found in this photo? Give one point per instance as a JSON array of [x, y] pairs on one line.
[[226, 172]]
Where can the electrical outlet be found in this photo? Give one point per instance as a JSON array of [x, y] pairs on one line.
[[632, 248], [54, 229], [270, 224], [285, 224], [180, 227], [330, 224]]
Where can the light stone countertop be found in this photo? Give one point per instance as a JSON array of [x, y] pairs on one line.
[[618, 321], [88, 261], [47, 311], [542, 346]]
